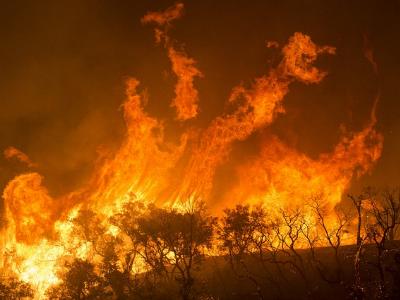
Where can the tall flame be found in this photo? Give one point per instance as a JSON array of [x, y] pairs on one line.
[[183, 66], [282, 176], [148, 167], [259, 106]]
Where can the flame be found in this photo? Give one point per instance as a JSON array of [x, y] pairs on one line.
[[12, 152], [165, 17], [29, 208], [369, 54], [282, 176], [148, 167], [260, 105], [141, 166], [183, 66]]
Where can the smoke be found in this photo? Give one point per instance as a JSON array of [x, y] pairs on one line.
[[369, 53]]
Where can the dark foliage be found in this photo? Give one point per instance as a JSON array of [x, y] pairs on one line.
[[12, 289], [251, 252]]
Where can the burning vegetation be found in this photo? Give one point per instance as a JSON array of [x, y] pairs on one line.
[[146, 218]]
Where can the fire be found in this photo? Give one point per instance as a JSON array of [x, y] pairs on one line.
[[29, 208], [183, 66], [281, 175], [150, 168], [12, 152], [260, 105]]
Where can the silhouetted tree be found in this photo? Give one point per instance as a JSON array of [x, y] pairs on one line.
[[357, 201], [238, 235], [357, 289], [173, 242], [384, 219], [14, 289], [168, 242], [80, 281], [122, 268], [333, 227], [147, 252], [126, 220], [114, 253], [90, 229], [289, 229]]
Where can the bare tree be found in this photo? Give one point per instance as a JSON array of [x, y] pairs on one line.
[[385, 210], [358, 204], [289, 236], [382, 226], [333, 231]]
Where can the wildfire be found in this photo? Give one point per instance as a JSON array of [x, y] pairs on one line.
[[12, 152], [150, 168], [281, 175]]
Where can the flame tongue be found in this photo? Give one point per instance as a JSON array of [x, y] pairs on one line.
[[140, 167], [186, 95], [261, 103], [281, 176], [29, 208], [149, 168]]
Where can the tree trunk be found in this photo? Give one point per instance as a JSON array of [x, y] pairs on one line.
[[359, 226], [391, 234]]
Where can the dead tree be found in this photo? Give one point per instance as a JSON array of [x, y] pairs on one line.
[[288, 233], [358, 204], [381, 228], [332, 232]]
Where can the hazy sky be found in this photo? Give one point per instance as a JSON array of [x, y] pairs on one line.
[[63, 66]]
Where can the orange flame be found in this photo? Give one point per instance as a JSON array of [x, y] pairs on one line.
[[12, 152], [148, 167], [165, 17], [27, 207], [261, 104], [141, 165], [284, 177], [186, 96]]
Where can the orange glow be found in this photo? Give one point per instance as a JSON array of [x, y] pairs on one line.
[[183, 66], [283, 177], [148, 167], [12, 152], [258, 107], [29, 208]]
